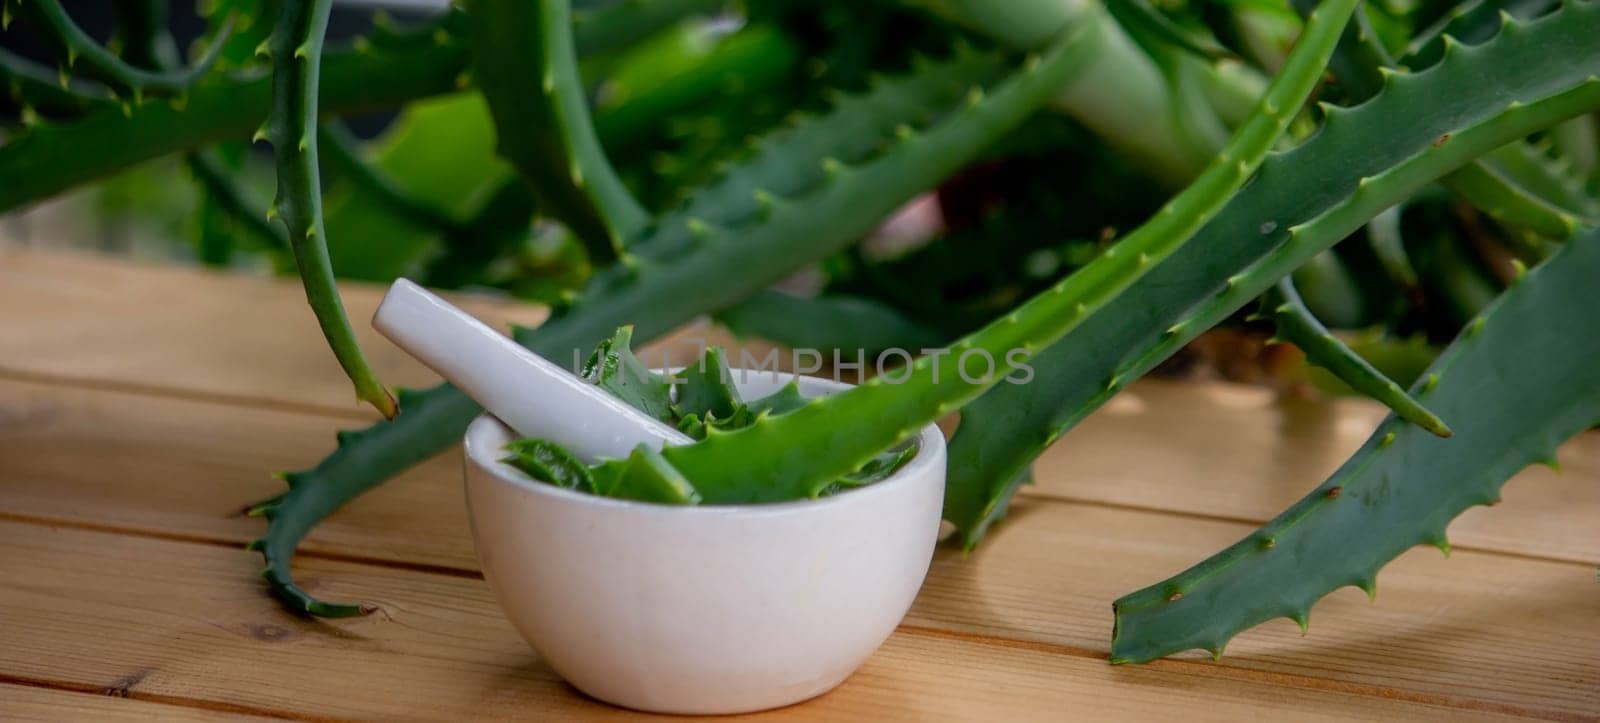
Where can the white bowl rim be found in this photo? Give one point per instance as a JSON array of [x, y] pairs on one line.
[[930, 451]]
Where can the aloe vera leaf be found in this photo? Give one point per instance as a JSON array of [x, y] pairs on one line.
[[444, 151], [439, 151], [1501, 199], [1360, 67], [789, 159], [434, 420], [1003, 431], [795, 455], [1297, 325], [224, 188], [686, 69], [215, 236], [787, 399], [1329, 290], [1471, 22], [146, 44], [344, 155], [877, 468], [1194, 122], [296, 54], [1148, 19], [1373, 194], [1518, 185], [390, 68], [50, 158], [253, 21], [95, 61], [34, 87], [143, 29], [1135, 119], [500, 224], [542, 120], [770, 223], [789, 163], [1401, 359], [1578, 141], [707, 389], [645, 476], [708, 405], [1404, 486], [621, 24], [1383, 235], [830, 321], [300, 195], [1189, 78], [1454, 279], [1356, 61], [614, 368], [549, 462], [1555, 180]]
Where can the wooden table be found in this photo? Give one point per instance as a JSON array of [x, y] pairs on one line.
[[142, 407]]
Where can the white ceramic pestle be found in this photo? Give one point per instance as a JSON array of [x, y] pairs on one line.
[[532, 395]]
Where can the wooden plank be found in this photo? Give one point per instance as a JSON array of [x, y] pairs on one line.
[[187, 622], [106, 322], [1246, 453], [154, 452], [182, 468], [1212, 449], [1500, 630], [1204, 448], [33, 703], [187, 468], [81, 317]]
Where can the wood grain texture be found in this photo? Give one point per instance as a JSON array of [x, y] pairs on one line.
[[36, 703], [97, 320], [1210, 449], [1246, 453], [1488, 630], [189, 622], [158, 450], [141, 408], [108, 323], [1463, 629]]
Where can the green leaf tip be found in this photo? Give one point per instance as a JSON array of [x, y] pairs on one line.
[[1298, 325], [542, 119]]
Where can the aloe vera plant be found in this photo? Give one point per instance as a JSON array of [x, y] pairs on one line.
[[659, 160], [1196, 290], [794, 455]]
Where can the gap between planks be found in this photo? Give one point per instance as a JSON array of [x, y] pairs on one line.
[[99, 703], [222, 710], [1307, 682], [358, 414]]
